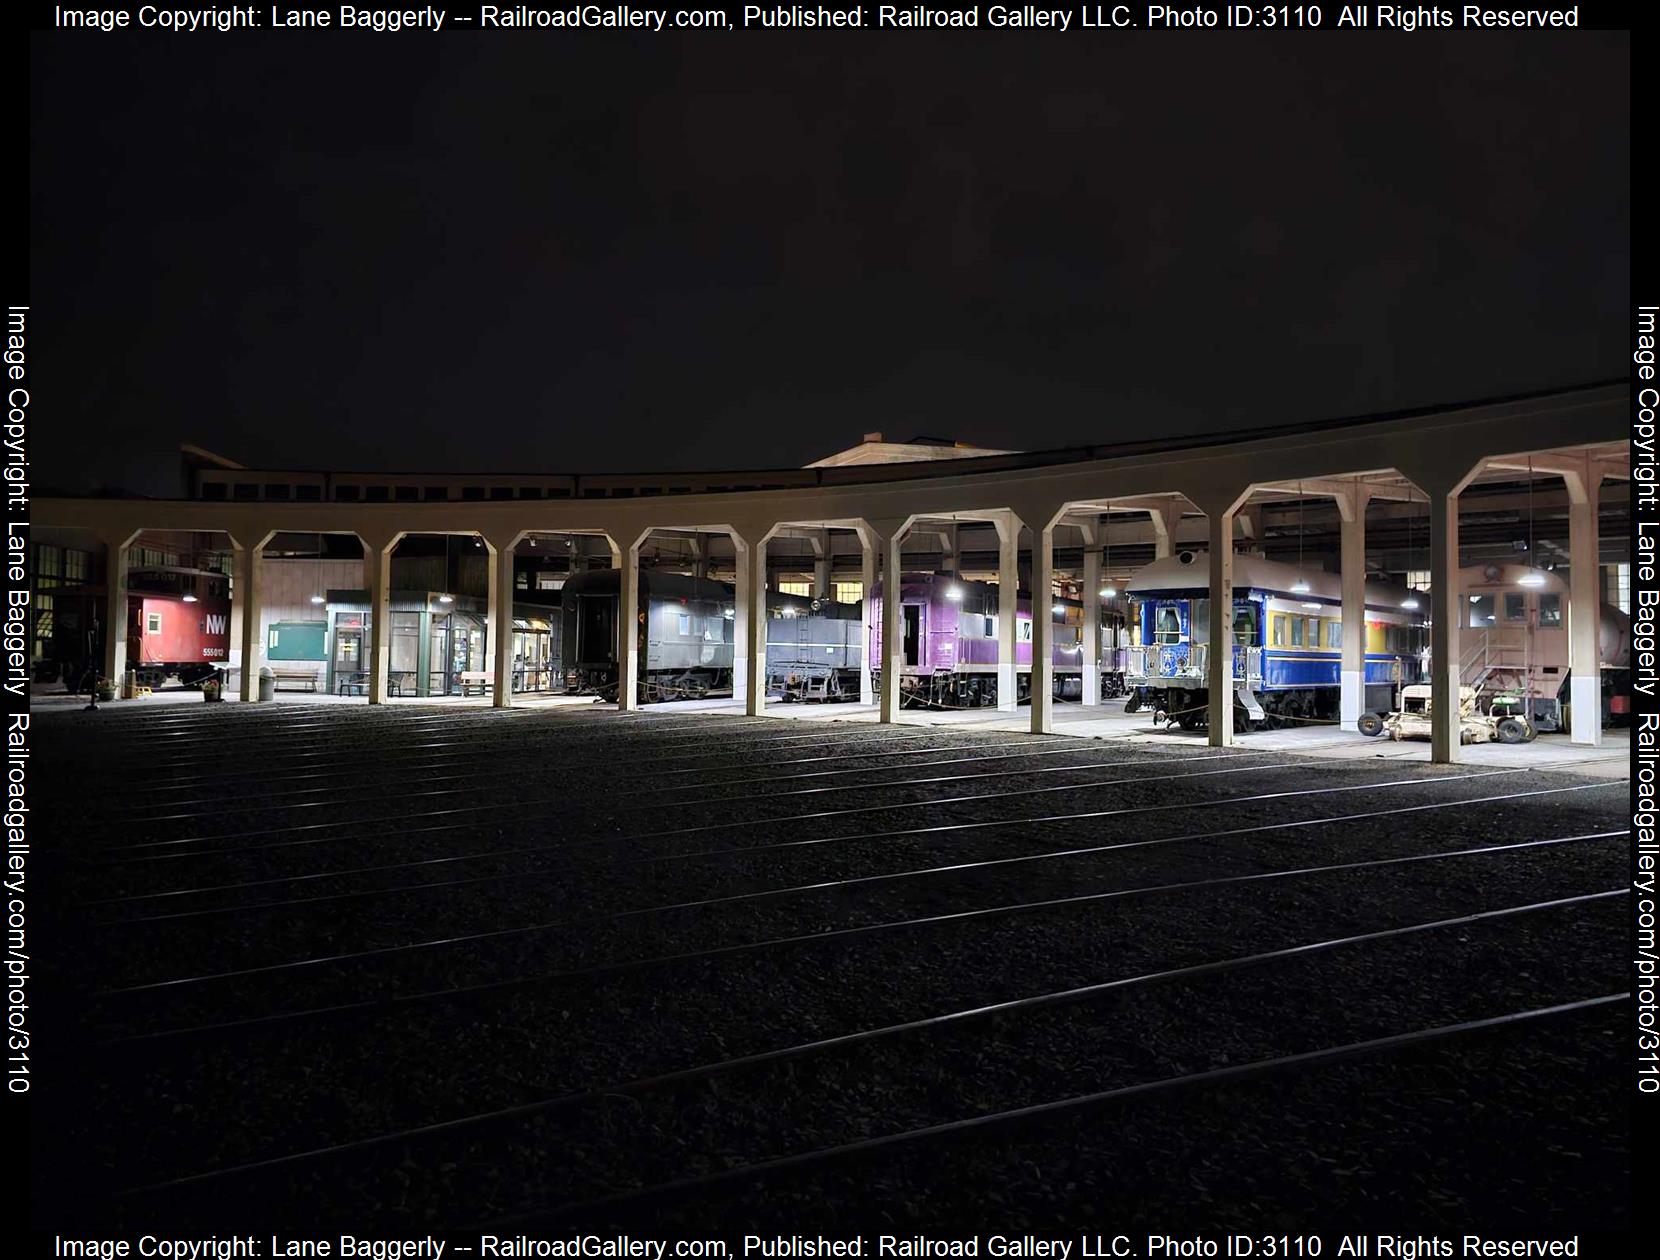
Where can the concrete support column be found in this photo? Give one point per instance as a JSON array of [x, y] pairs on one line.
[[377, 581], [1352, 698], [743, 589], [501, 616], [1443, 628], [893, 627], [1008, 593], [1219, 664], [248, 563], [1043, 626], [628, 626], [868, 544], [1584, 609], [753, 576], [114, 663], [1090, 658]]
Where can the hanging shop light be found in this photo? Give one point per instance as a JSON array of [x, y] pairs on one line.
[[1533, 577], [1410, 603], [1110, 590], [1300, 586], [317, 573], [954, 593], [446, 597]]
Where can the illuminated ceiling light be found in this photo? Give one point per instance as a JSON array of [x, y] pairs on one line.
[[1059, 610], [1109, 592], [955, 592], [318, 599], [1531, 578], [1409, 604], [446, 598], [189, 599], [1300, 587], [1308, 603]]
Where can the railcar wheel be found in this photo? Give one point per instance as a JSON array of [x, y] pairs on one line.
[[1370, 725], [1133, 704], [1512, 731]]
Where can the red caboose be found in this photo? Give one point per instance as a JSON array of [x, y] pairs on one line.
[[171, 637]]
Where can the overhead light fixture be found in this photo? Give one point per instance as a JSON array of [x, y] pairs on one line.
[[1109, 592], [955, 592], [189, 598], [1308, 603], [318, 599], [1060, 609], [1300, 587], [1531, 578], [1409, 604], [446, 598]]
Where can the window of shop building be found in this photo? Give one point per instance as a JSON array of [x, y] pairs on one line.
[[48, 566], [76, 565], [405, 657], [849, 592], [44, 628], [803, 589], [1617, 586]]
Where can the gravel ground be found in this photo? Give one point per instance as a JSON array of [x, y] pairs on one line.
[[276, 930]]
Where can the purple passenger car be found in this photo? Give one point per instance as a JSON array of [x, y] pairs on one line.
[[951, 640]]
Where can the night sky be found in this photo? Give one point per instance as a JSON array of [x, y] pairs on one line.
[[469, 251]]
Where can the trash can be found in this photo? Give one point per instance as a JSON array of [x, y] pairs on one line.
[[267, 683]]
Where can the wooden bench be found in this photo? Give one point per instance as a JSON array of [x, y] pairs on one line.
[[483, 679], [301, 678]]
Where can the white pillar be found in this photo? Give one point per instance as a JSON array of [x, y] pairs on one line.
[[1043, 627], [628, 629], [249, 562], [1352, 700], [743, 586], [1584, 609], [1008, 592], [115, 609], [1219, 664], [867, 587], [893, 634], [377, 577], [1089, 659], [1444, 672], [501, 618], [755, 702]]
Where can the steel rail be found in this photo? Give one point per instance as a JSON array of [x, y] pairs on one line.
[[1165, 1085], [779, 1054], [719, 951], [952, 867], [564, 799]]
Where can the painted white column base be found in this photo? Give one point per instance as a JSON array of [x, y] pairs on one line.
[[1585, 694], [1353, 701], [1006, 689]]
